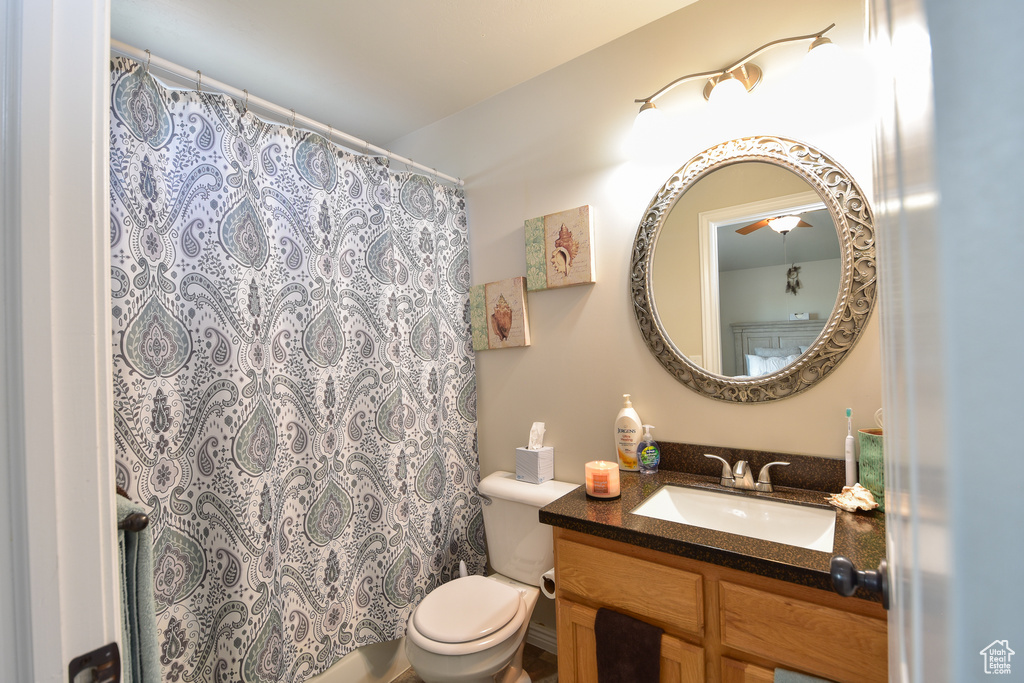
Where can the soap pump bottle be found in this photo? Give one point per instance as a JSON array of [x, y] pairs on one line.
[[648, 452], [627, 435]]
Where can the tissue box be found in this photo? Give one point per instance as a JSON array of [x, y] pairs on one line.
[[535, 465]]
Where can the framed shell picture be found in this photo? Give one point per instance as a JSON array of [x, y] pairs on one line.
[[560, 249], [498, 314]]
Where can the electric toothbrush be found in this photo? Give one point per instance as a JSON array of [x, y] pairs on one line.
[[851, 463]]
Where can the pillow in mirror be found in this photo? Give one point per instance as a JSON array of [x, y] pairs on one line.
[[775, 353], [758, 366]]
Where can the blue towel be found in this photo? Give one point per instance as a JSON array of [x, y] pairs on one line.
[[784, 676], [140, 649]]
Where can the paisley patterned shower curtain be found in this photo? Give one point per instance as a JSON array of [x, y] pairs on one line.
[[294, 383]]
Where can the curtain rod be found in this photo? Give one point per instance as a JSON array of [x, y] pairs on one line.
[[278, 112]]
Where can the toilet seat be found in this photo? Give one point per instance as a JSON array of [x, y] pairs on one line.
[[467, 615], [466, 609]]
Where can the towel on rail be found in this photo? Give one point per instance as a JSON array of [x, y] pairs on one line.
[[140, 650], [628, 650], [785, 676]]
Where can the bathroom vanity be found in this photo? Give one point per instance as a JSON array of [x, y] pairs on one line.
[[737, 602], [732, 608]]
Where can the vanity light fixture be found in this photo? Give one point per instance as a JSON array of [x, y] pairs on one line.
[[741, 76]]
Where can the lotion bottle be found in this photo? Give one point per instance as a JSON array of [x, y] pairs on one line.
[[627, 436]]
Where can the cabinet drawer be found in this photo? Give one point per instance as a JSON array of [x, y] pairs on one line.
[[819, 640], [664, 596]]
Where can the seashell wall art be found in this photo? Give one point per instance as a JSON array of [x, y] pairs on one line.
[[498, 314], [560, 249]]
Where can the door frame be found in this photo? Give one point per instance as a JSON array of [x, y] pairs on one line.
[[59, 573], [916, 376]]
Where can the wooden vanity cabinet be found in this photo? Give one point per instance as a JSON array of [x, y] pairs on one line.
[[721, 625]]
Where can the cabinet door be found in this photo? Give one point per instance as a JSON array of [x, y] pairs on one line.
[[681, 662], [744, 672], [826, 642]]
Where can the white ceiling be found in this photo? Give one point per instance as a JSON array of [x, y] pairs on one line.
[[377, 69]]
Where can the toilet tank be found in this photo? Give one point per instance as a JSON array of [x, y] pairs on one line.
[[518, 545]]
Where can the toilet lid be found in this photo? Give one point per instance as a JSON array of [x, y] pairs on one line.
[[466, 609]]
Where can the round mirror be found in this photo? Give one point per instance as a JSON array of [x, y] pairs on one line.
[[753, 270]]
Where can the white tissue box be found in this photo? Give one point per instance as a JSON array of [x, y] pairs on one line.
[[799, 316], [535, 465]]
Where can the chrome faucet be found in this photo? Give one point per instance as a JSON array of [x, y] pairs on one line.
[[764, 480], [739, 477], [742, 479]]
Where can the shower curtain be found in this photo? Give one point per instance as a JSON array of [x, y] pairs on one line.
[[294, 383]]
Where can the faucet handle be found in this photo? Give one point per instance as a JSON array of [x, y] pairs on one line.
[[764, 480], [726, 468]]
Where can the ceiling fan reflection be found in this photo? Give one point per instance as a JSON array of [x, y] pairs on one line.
[[780, 224]]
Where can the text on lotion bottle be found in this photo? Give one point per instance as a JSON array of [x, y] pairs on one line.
[[627, 436]]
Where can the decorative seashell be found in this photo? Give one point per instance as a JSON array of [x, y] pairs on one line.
[[501, 319], [853, 498], [566, 248], [561, 259]]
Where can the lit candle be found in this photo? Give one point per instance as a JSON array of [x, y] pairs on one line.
[[602, 479]]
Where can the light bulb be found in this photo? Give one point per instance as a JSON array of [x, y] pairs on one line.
[[783, 224], [822, 59], [649, 129], [727, 91]]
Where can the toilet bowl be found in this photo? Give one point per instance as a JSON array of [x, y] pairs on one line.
[[470, 629]]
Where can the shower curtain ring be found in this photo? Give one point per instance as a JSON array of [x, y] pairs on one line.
[[292, 122], [199, 81], [330, 134], [245, 107], [149, 58]]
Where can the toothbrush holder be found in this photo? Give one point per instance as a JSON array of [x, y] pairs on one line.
[[872, 464]]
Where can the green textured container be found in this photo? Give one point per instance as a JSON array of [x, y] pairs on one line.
[[872, 464]]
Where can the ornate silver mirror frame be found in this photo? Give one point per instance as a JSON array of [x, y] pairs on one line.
[[852, 216]]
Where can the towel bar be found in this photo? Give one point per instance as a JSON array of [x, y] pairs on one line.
[[134, 522]]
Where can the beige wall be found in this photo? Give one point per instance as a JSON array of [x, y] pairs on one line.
[[556, 142]]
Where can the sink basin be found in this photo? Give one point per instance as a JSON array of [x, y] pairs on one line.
[[769, 520]]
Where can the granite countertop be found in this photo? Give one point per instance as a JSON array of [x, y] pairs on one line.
[[860, 536]]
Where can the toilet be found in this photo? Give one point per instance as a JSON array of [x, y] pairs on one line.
[[473, 627]]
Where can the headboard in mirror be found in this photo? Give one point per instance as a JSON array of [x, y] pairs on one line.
[[713, 275]]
